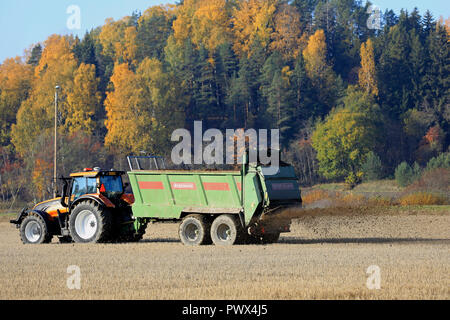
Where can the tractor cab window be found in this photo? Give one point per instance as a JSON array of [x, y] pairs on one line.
[[91, 185], [82, 186], [79, 187], [111, 185]]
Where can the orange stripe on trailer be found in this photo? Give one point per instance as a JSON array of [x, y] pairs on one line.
[[151, 185], [215, 186]]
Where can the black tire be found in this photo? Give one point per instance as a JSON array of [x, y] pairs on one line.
[[136, 237], [89, 223], [65, 240], [194, 230], [34, 230], [225, 230], [126, 229], [132, 237]]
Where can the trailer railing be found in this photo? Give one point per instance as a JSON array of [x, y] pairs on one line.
[[146, 163]]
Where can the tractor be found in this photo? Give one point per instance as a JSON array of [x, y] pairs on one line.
[[93, 208]]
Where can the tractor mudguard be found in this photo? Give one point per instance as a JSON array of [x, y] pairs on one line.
[[25, 212], [44, 215], [101, 200]]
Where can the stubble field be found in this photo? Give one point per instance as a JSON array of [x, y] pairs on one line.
[[326, 256]]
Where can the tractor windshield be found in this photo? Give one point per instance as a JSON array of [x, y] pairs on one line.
[[82, 186], [111, 185]]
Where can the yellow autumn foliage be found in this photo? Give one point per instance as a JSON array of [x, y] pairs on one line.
[[56, 67], [287, 33], [315, 55], [83, 101], [253, 21], [367, 73], [205, 22]]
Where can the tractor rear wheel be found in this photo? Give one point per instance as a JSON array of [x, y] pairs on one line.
[[34, 230], [194, 230], [225, 230], [89, 223]]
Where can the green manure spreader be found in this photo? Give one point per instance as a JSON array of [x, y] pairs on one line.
[[220, 207]]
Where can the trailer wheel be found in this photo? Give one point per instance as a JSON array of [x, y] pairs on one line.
[[225, 230], [88, 223], [194, 230], [34, 230]]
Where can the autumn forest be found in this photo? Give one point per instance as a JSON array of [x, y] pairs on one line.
[[350, 101]]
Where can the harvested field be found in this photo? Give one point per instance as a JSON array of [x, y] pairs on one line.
[[324, 257]]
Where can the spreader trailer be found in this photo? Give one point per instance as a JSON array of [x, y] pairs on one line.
[[220, 207]]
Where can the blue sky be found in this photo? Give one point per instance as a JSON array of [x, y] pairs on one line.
[[25, 22]]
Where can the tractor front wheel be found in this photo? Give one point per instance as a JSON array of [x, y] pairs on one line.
[[34, 230], [89, 223]]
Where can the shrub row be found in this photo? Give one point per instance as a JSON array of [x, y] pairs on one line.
[[357, 200], [406, 175]]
